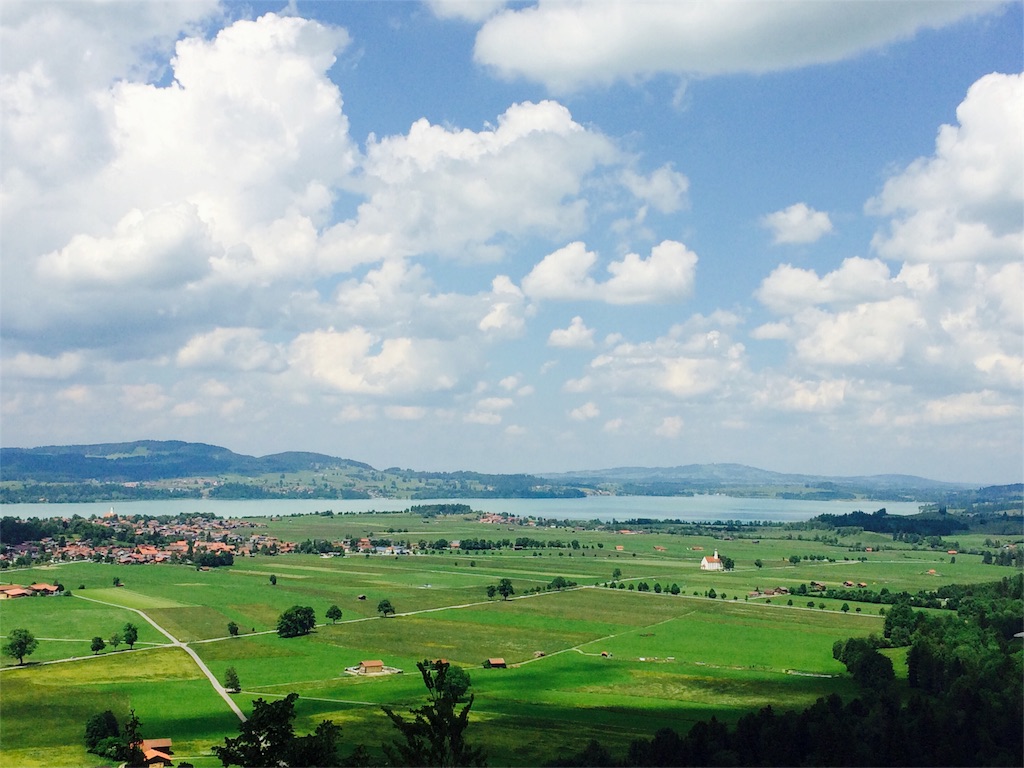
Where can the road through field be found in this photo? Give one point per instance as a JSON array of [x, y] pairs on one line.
[[184, 646]]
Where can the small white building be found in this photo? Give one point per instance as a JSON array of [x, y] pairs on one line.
[[712, 563]]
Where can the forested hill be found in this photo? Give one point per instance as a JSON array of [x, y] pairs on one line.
[[144, 460], [150, 469]]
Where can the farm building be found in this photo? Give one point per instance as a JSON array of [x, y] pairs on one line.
[[372, 667], [156, 752], [496, 663], [712, 563]]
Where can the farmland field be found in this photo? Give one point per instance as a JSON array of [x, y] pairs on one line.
[[588, 662]]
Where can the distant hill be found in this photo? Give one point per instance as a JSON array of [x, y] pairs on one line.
[[711, 478], [146, 469], [147, 460]]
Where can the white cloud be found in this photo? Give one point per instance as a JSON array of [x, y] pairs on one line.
[[665, 189], [790, 289], [439, 189], [964, 408], [667, 275], [576, 336], [355, 361], [694, 359], [241, 349], [790, 394], [467, 10], [145, 397], [670, 426], [568, 46], [797, 224], [965, 202], [29, 366], [162, 248], [875, 332], [585, 412]]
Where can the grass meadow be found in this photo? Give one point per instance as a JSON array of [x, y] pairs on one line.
[[592, 662]]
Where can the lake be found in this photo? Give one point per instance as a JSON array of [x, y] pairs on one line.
[[606, 508]]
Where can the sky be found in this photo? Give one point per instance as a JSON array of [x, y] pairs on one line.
[[519, 237]]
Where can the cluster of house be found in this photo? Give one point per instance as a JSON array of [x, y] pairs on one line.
[[11, 591]]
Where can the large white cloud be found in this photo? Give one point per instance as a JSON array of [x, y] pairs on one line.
[[666, 275], [457, 191], [219, 178], [952, 316], [571, 45], [966, 201]]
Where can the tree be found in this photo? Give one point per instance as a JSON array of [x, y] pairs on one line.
[[117, 581], [845, 608], [505, 589], [231, 681], [98, 644], [435, 735], [20, 643], [100, 726], [491, 591], [616, 574], [384, 608], [297, 620], [130, 634], [233, 629], [273, 580], [132, 735], [267, 738], [334, 613], [115, 640]]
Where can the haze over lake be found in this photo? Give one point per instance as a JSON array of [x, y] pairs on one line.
[[690, 508]]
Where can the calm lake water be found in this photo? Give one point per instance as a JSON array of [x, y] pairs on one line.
[[690, 508]]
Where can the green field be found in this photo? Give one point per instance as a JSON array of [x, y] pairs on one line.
[[590, 662]]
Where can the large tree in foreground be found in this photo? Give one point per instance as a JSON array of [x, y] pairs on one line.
[[20, 643], [267, 738], [435, 736]]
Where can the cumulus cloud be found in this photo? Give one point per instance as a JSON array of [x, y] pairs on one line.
[[694, 359], [666, 275], [29, 366], [356, 361], [467, 10], [241, 349], [576, 336], [165, 247], [797, 224], [665, 189], [790, 289], [670, 426], [585, 412], [966, 201], [568, 46], [453, 191], [219, 177]]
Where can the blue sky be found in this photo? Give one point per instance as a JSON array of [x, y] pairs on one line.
[[519, 237]]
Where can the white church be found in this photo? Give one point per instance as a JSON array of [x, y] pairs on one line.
[[712, 563]]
